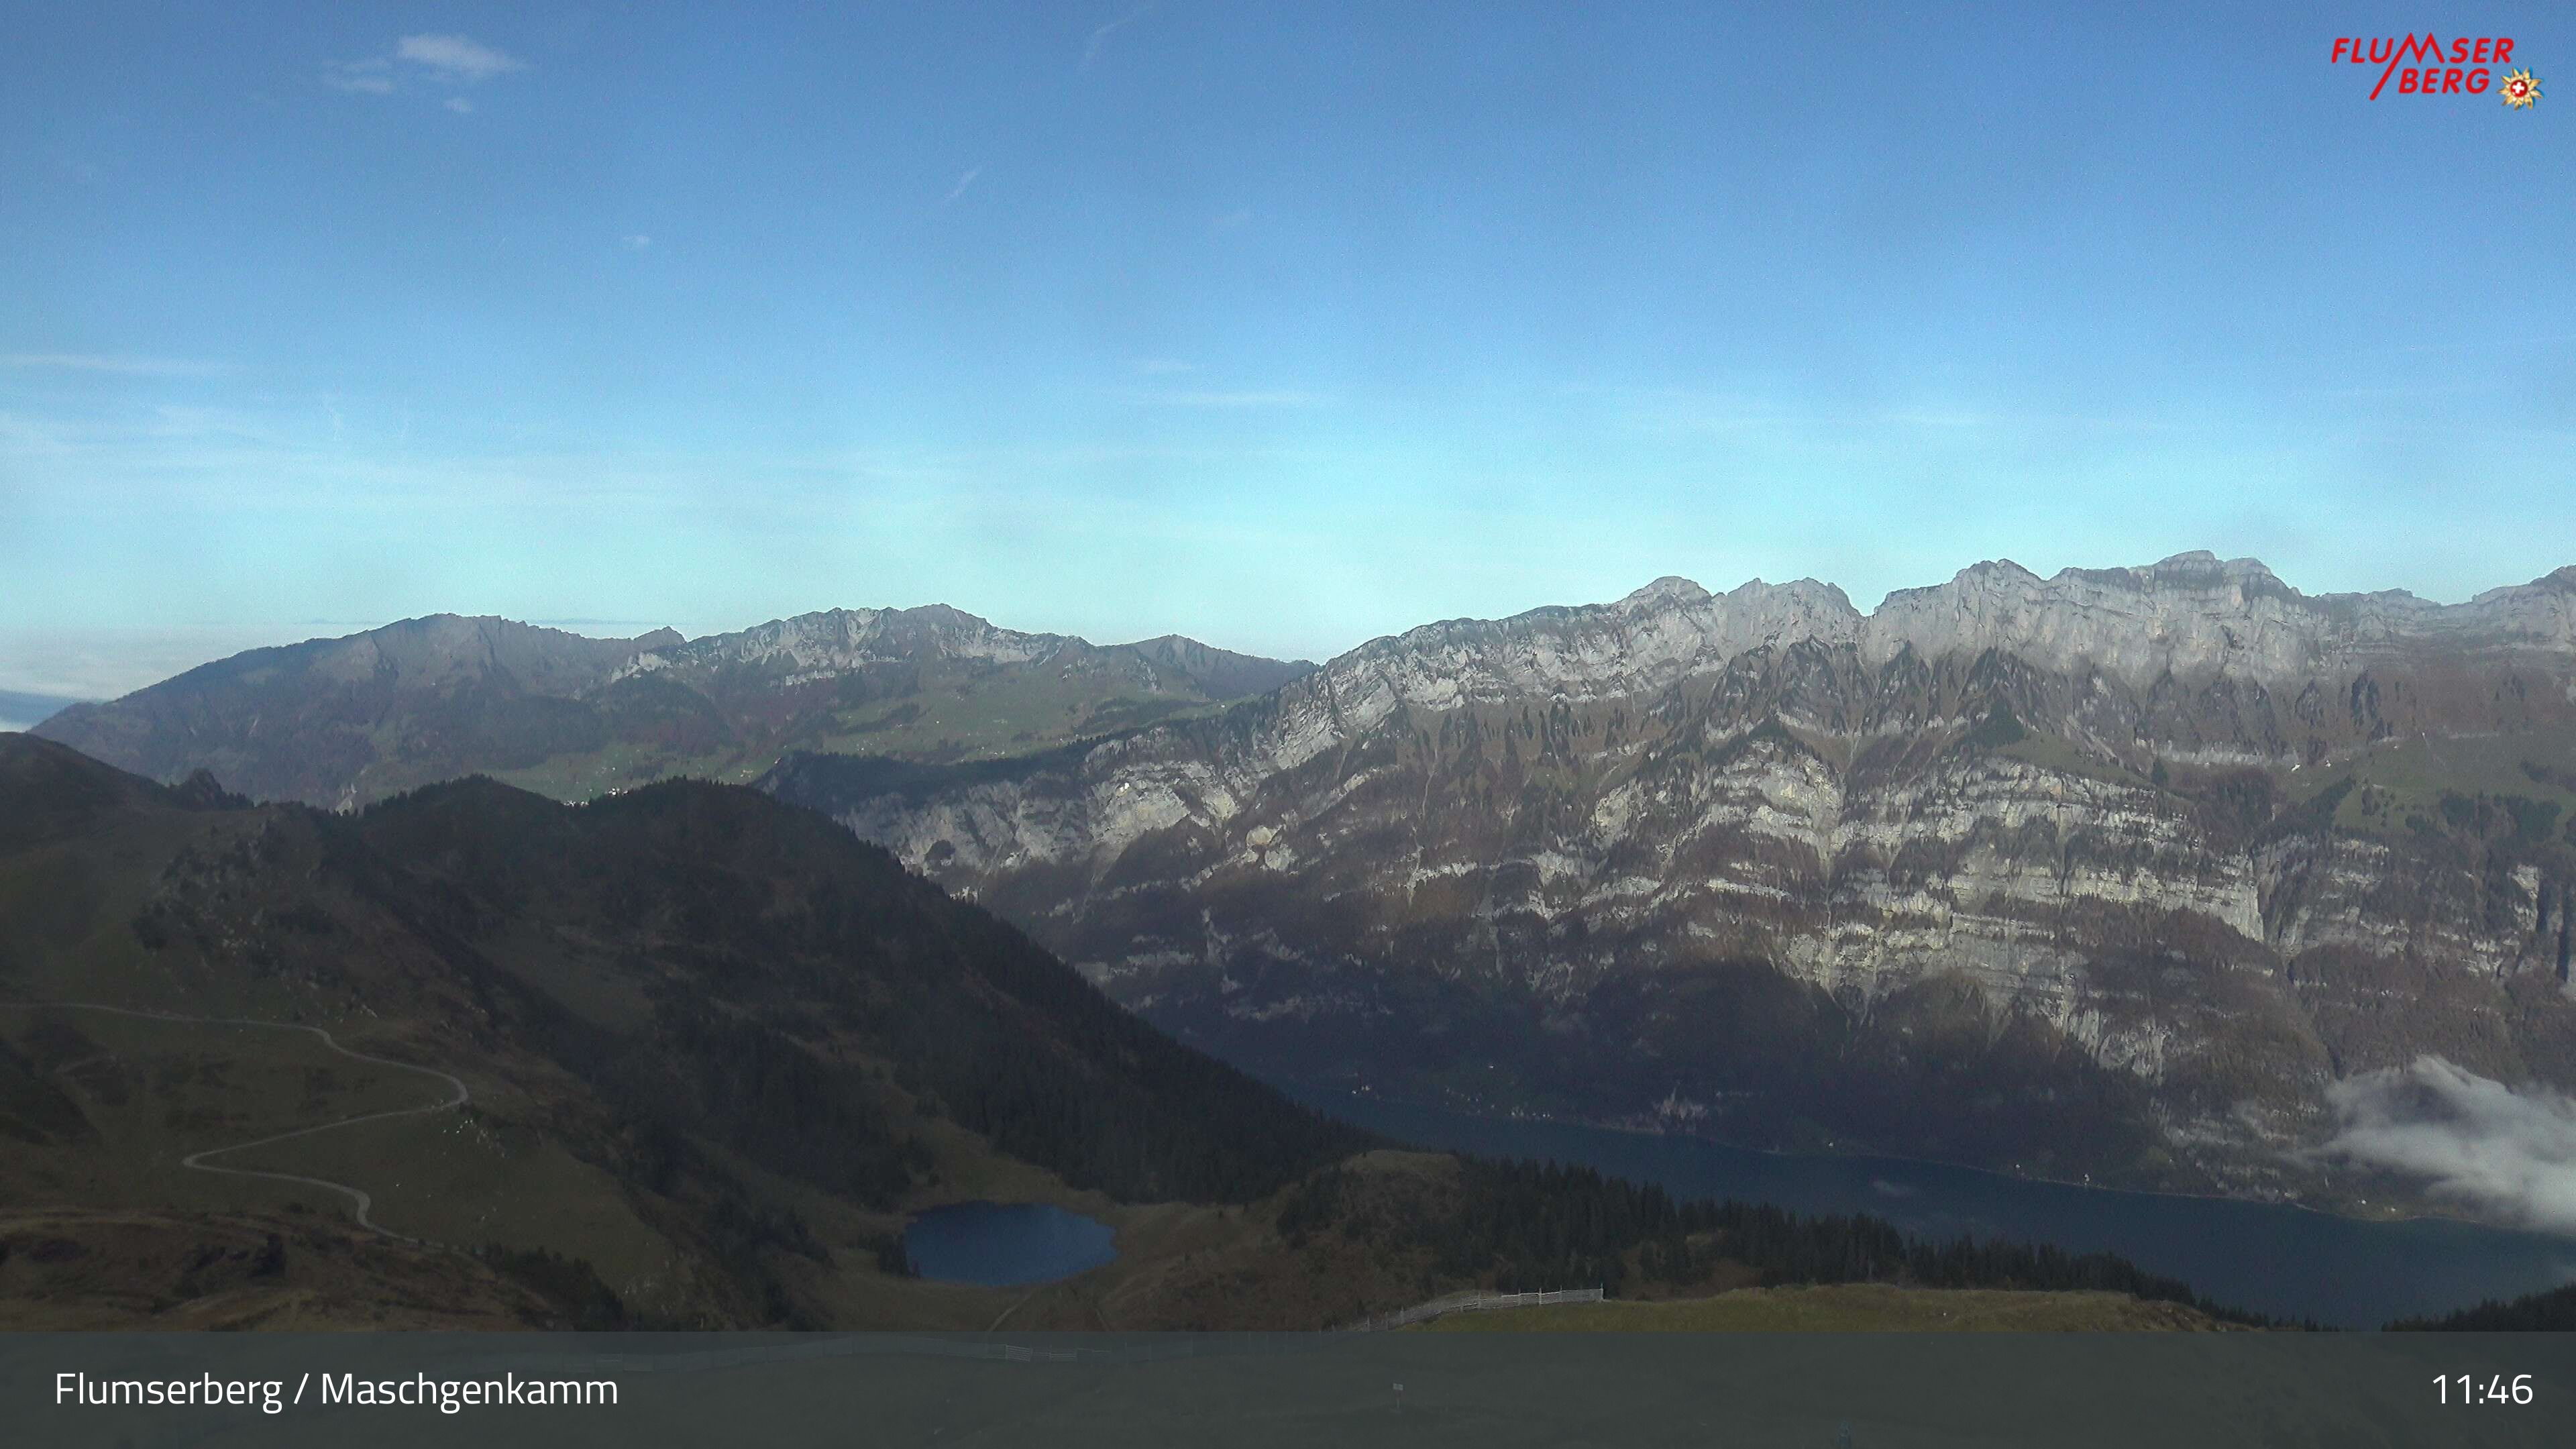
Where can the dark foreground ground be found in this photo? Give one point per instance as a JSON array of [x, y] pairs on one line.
[[1498, 1389]]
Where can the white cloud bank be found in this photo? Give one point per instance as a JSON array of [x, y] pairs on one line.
[[2474, 1140], [445, 60]]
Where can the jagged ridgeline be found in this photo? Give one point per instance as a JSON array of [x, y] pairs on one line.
[[2109, 875]]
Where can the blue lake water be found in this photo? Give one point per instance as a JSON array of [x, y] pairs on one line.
[[2285, 1261], [1006, 1245]]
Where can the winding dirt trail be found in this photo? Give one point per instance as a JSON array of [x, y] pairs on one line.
[[197, 1160]]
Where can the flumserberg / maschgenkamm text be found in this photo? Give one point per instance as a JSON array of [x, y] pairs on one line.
[[270, 1396]]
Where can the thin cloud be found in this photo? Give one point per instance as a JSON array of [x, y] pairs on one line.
[[365, 77], [1246, 398], [456, 57], [1234, 220], [1682, 410], [2471, 1139], [1100, 37], [117, 366], [963, 182], [443, 60], [27, 437], [635, 241], [1164, 366], [1934, 418]]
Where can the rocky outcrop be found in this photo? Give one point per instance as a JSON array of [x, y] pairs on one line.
[[2104, 875]]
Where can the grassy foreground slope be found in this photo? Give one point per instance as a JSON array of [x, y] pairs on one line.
[[714, 1047], [76, 1268]]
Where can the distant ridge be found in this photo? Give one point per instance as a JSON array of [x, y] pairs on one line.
[[20, 709], [340, 722]]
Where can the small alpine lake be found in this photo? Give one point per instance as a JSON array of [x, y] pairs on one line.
[[1006, 1245]]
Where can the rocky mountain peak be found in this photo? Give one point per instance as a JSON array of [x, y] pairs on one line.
[[1221, 672], [841, 639], [1672, 591], [1779, 614], [2557, 582], [2201, 569]]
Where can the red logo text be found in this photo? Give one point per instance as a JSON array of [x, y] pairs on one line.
[[2424, 66]]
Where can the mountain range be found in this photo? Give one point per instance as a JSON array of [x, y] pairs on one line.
[[342, 722], [690, 1057], [2111, 876]]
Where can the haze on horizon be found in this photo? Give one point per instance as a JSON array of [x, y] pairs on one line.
[[1281, 327]]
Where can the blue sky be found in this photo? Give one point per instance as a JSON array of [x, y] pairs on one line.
[[1283, 326]]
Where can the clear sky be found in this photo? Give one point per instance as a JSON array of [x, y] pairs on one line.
[[1281, 326]]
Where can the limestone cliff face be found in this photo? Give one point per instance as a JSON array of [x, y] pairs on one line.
[[2194, 614], [2109, 874]]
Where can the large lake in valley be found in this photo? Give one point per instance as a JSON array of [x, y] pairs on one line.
[[2285, 1261], [1006, 1245]]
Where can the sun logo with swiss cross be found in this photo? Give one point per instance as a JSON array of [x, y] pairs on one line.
[[2520, 89]]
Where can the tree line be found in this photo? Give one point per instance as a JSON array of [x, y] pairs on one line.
[[1526, 1225], [2550, 1312]]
